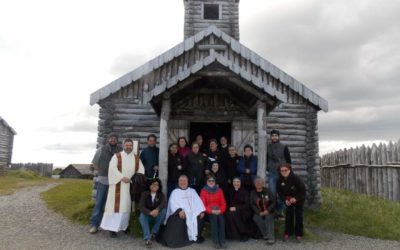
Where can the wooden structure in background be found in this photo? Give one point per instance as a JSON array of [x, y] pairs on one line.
[[6, 145], [78, 171], [212, 78], [368, 170]]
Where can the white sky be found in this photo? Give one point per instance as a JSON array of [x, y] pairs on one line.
[[54, 54]]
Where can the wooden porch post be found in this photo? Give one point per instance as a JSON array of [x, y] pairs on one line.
[[262, 139], [163, 156]]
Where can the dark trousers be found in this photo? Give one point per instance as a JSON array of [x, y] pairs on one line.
[[217, 223], [294, 215]]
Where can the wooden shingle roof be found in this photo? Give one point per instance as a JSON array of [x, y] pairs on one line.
[[7, 126], [185, 72]]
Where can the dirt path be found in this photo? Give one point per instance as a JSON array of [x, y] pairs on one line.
[[26, 223]]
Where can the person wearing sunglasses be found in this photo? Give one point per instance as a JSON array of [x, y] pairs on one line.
[[215, 204], [292, 190]]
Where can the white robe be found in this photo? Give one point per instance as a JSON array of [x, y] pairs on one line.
[[191, 203], [119, 221]]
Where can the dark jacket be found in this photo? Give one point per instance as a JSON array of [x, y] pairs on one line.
[[149, 158], [146, 205], [217, 155], [262, 201], [220, 179], [230, 167], [195, 165], [239, 199], [247, 163], [292, 186], [277, 153], [173, 172], [103, 157]]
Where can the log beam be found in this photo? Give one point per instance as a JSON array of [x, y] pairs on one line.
[[262, 139], [163, 155]]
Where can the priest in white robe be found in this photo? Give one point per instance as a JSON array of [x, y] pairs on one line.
[[188, 200], [122, 167]]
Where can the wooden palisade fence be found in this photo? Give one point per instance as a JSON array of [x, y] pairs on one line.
[[372, 170]]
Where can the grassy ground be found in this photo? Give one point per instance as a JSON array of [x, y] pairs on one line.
[[341, 211], [72, 199], [16, 179], [357, 214]]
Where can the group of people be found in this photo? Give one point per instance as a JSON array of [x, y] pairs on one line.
[[205, 184]]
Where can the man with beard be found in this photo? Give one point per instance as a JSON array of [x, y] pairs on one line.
[[277, 153], [118, 206], [101, 163]]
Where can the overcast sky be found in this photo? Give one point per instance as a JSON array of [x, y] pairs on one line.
[[54, 54]]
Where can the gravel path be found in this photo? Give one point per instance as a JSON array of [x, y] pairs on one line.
[[26, 223]]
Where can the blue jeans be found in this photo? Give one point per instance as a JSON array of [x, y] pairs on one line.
[[98, 210], [272, 182], [145, 221]]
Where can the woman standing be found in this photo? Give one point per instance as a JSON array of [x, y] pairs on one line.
[[214, 202], [248, 167], [238, 213], [292, 190], [196, 164], [231, 164], [183, 147], [175, 167]]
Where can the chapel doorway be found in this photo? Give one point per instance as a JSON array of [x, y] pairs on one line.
[[210, 130]]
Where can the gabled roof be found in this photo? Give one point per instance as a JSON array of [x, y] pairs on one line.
[[236, 46], [7, 126], [84, 169]]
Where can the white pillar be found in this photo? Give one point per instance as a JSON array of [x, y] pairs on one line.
[[262, 139], [163, 156]]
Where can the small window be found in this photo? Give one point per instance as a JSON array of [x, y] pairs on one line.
[[211, 11]]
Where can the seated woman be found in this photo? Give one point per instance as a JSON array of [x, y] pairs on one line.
[[292, 190], [214, 202], [175, 168], [263, 203], [238, 213], [152, 208], [247, 167]]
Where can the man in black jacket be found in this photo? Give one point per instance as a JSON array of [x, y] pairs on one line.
[[101, 163], [277, 154], [149, 157]]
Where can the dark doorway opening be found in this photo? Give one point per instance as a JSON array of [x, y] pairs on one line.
[[210, 131]]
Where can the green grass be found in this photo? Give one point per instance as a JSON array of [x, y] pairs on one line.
[[341, 211], [357, 214], [72, 199], [16, 179]]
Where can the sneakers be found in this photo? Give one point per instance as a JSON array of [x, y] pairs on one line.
[[148, 243], [286, 238], [93, 230], [200, 239], [224, 246], [299, 239], [113, 234], [216, 246]]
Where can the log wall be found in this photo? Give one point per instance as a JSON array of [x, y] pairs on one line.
[[374, 180], [6, 146]]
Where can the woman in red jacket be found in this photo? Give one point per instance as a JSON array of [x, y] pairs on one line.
[[214, 202]]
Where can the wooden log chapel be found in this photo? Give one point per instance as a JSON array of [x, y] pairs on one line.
[[6, 145], [211, 84]]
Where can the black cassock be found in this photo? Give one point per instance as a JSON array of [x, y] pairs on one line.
[[239, 224], [174, 233]]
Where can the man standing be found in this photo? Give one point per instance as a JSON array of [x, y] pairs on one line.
[[189, 207], [277, 153], [118, 206], [101, 162], [149, 157]]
